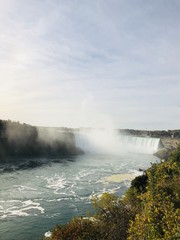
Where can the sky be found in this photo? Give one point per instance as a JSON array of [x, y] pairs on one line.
[[98, 63]]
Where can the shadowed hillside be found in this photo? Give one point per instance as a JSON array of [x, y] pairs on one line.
[[22, 140]]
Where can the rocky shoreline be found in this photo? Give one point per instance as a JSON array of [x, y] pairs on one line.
[[167, 145]]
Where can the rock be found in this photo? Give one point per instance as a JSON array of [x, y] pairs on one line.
[[163, 153]]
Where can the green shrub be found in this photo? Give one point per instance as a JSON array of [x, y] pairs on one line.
[[113, 216], [140, 183], [159, 216], [149, 210], [77, 228]]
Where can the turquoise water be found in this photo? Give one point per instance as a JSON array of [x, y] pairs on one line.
[[33, 201]]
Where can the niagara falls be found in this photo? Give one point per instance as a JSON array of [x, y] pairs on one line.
[[59, 188], [89, 120]]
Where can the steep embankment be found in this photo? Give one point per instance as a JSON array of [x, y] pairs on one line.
[[170, 143], [167, 145]]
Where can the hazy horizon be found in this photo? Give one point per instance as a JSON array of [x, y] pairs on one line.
[[110, 64]]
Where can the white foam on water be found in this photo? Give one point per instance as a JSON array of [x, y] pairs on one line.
[[19, 213], [56, 183], [54, 215], [59, 185], [24, 188], [127, 183], [29, 204], [22, 209], [136, 172], [4, 216], [84, 173], [13, 201], [48, 234]]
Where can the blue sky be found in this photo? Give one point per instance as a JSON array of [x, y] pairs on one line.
[[98, 63]]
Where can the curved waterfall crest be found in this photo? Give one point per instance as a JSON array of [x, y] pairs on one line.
[[102, 141]]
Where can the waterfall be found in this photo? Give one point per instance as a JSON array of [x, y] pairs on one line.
[[110, 142], [140, 144]]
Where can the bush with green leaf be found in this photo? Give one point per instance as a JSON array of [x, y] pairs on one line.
[[113, 216], [159, 215], [150, 209]]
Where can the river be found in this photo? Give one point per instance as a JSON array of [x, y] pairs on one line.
[[33, 201]]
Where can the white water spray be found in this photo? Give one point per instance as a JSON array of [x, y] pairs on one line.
[[110, 142]]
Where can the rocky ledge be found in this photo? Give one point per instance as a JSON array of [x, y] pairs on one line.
[[167, 145]]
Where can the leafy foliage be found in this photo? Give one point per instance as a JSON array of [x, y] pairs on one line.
[[159, 215], [109, 223], [140, 183], [113, 216], [77, 228], [149, 210]]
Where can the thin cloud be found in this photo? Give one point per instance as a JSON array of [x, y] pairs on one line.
[[124, 54]]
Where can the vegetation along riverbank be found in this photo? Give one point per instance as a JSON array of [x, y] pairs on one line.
[[150, 209]]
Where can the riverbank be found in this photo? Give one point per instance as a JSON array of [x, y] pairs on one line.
[[149, 209]]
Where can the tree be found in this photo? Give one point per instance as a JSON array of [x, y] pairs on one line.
[[113, 216], [159, 216]]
